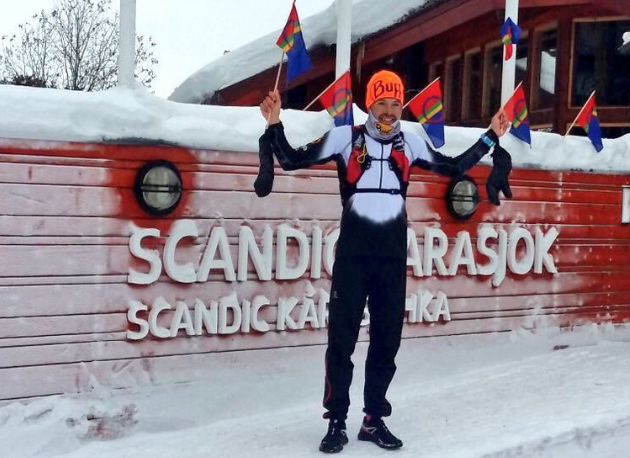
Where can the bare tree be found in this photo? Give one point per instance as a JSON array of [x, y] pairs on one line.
[[28, 54], [73, 46]]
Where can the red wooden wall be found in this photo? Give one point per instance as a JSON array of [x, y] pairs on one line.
[[67, 211]]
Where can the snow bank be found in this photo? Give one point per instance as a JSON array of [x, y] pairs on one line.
[[131, 114], [320, 29], [548, 152], [135, 114]]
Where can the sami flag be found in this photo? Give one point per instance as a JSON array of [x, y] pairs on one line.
[[510, 35], [428, 109], [588, 120], [292, 43], [337, 100], [516, 110]]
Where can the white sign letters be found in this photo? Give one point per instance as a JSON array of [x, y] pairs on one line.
[[518, 251], [493, 254]]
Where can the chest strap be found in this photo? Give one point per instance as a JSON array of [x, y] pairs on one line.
[[378, 190]]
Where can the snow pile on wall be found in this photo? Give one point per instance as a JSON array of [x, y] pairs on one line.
[[261, 54], [131, 114], [135, 113]]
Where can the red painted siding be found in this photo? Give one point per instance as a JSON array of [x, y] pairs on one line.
[[65, 221]]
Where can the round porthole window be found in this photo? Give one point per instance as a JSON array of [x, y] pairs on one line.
[[158, 187], [462, 198]]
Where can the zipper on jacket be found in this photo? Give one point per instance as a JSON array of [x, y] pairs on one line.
[[380, 182]]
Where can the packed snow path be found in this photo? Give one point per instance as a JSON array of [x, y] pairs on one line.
[[552, 394]]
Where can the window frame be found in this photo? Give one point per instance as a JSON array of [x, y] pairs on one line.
[[601, 125], [535, 127], [573, 57], [485, 102], [433, 72], [447, 88], [527, 82], [535, 70], [466, 115]]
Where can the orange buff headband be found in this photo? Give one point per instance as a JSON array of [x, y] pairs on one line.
[[384, 85]]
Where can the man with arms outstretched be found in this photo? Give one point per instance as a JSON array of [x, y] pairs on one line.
[[374, 161]]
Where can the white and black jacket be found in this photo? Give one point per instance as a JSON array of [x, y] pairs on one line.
[[374, 219]]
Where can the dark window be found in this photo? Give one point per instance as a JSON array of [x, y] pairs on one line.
[[494, 68], [615, 131], [296, 98], [521, 63], [599, 66], [454, 89], [474, 75], [436, 71], [547, 45], [414, 71], [494, 74], [607, 131]]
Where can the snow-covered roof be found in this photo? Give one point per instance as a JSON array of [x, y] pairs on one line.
[[368, 17], [131, 114]]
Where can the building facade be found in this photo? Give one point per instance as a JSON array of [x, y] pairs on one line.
[[568, 49]]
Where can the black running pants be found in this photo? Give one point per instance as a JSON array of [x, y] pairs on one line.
[[382, 281]]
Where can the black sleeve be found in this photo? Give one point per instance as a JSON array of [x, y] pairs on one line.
[[317, 152], [459, 165]]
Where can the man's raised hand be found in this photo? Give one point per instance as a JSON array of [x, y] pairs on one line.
[[500, 123], [270, 107]]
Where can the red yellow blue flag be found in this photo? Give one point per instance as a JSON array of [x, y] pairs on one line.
[[427, 107], [587, 119], [337, 100], [516, 110], [292, 43], [510, 36]]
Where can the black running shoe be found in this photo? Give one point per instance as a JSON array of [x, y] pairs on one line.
[[374, 430], [335, 438]]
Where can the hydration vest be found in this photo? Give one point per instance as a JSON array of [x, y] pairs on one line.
[[360, 161]]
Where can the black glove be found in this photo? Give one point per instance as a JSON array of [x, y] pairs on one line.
[[498, 178], [264, 180]]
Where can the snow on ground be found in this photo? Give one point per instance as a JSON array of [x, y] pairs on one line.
[[368, 17], [492, 396], [131, 114]]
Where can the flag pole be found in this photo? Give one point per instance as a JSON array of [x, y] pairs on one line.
[[508, 69], [275, 87], [127, 43], [579, 114], [414, 97], [322, 93], [343, 50], [506, 102], [513, 92]]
